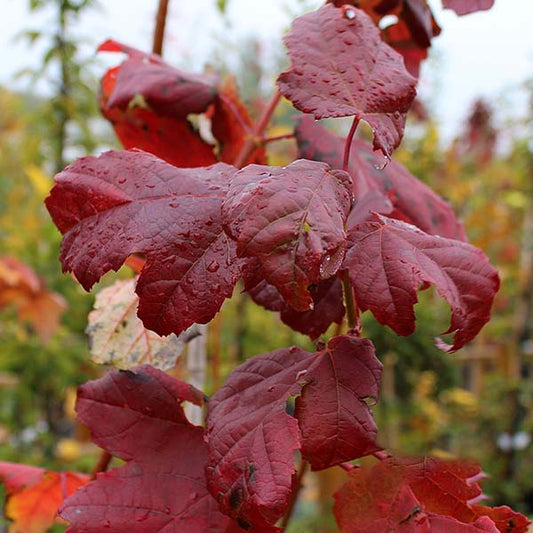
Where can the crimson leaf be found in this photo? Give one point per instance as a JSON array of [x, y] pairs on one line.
[[251, 438], [164, 89], [291, 220], [341, 67], [388, 259], [137, 416], [149, 104], [172, 139], [132, 202], [424, 494], [464, 7], [328, 306], [391, 190]]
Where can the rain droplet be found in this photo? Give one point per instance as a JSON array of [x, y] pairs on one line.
[[349, 13], [213, 266], [301, 374]]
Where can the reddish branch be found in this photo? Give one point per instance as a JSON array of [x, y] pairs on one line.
[[348, 145], [102, 465], [255, 138], [160, 24]]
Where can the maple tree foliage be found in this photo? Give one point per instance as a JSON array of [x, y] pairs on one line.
[[117, 205], [328, 306], [313, 240], [137, 416], [420, 495], [251, 438]]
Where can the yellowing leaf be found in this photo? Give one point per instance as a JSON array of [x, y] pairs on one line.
[[40, 181], [117, 337], [34, 494]]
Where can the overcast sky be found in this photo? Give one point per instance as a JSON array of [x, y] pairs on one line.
[[484, 54]]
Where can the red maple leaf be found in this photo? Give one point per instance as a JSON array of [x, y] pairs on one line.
[[123, 203], [251, 437], [420, 495], [291, 220], [137, 416], [391, 190], [388, 260], [341, 67]]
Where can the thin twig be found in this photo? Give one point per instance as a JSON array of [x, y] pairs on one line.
[[348, 466], [348, 145], [381, 455], [252, 142], [160, 24], [352, 312], [267, 140], [294, 496], [102, 464]]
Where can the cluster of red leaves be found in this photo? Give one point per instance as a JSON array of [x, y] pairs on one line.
[[412, 495], [21, 288], [244, 459], [291, 233]]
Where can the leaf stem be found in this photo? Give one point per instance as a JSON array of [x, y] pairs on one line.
[[266, 140], [102, 464], [352, 310], [294, 496], [348, 145], [381, 455], [348, 467], [251, 143], [160, 24]]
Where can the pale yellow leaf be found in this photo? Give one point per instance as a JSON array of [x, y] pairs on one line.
[[117, 337]]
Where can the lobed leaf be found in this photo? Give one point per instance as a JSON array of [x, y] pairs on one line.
[[341, 67], [418, 495], [123, 203], [251, 438], [390, 190], [137, 416], [117, 337], [387, 260], [291, 220]]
